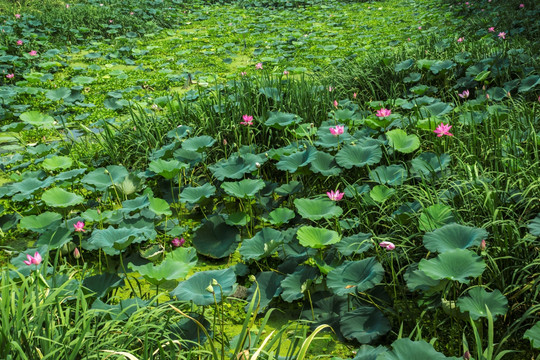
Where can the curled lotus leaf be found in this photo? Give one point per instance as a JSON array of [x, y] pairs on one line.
[[402, 142], [295, 161]]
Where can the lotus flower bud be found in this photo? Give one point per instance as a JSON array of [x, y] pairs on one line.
[[483, 245], [252, 278], [466, 355], [258, 165], [76, 253], [210, 289], [215, 282]]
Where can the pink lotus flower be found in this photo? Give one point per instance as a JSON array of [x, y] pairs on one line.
[[131, 13], [10, 76], [36, 259], [18, 16], [387, 245], [248, 120], [502, 35], [354, 95], [110, 21], [330, 89], [443, 130], [419, 28], [33, 53], [67, 6], [491, 29], [243, 73], [335, 196], [483, 245], [76, 253], [336, 104], [521, 6], [464, 94], [460, 39], [285, 72], [259, 66], [337, 130], [383, 112], [176, 242], [19, 42], [79, 226]]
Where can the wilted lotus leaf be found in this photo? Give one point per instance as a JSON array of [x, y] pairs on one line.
[[58, 197], [453, 236], [400, 141], [478, 299], [316, 209], [193, 194], [197, 287], [358, 155], [175, 266], [316, 238], [364, 324], [355, 276], [244, 188], [263, 244], [457, 265], [216, 239]]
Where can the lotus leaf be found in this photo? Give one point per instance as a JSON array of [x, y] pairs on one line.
[[238, 219], [529, 83], [159, 207], [112, 240], [400, 141], [58, 94], [232, 168], [54, 238], [167, 169], [406, 349], [366, 352], [325, 164], [280, 216], [216, 239], [36, 118], [176, 265], [24, 189], [128, 206], [102, 284], [435, 216], [364, 324], [269, 286], [198, 143], [244, 188], [381, 193], [294, 285], [102, 178], [327, 140], [534, 225], [58, 197], [121, 311], [179, 132], [291, 188], [194, 195], [41, 222], [82, 80], [390, 175], [57, 162], [69, 175], [358, 155], [478, 299], [533, 334], [404, 65], [316, 238], [297, 160], [196, 287], [428, 164], [453, 236], [187, 156], [280, 120], [418, 280], [262, 245], [327, 309], [355, 276], [316, 209], [355, 244], [456, 265], [190, 332]]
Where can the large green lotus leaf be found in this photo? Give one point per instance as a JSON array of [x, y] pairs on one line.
[[179, 132], [129, 185], [478, 299], [381, 193], [327, 309], [280, 216], [102, 178], [216, 239], [316, 238], [159, 207], [57, 162], [113, 240], [325, 138], [297, 160], [364, 324], [36, 118], [232, 168], [24, 189], [198, 143], [404, 65], [128, 206], [529, 83], [280, 120], [262, 245], [400, 141], [417, 280], [167, 169], [534, 226], [58, 197], [82, 80], [533, 334], [144, 224], [239, 218], [325, 164], [271, 93], [358, 155], [406, 349], [355, 276], [294, 285], [244, 188], [69, 175], [193, 195], [102, 284], [54, 238], [429, 164], [41, 222], [438, 108], [58, 94], [316, 209], [189, 157], [354, 244], [456, 265], [291, 188], [389, 175], [453, 236], [366, 352], [176, 265], [269, 286], [435, 216], [196, 287]]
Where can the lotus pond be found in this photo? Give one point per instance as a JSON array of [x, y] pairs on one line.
[[274, 179]]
